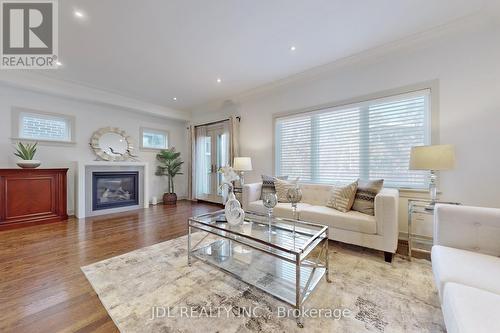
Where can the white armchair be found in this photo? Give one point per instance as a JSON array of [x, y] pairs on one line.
[[466, 267], [468, 228]]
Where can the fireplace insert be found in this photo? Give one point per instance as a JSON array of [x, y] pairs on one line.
[[115, 189]]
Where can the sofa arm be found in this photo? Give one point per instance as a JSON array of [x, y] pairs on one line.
[[251, 192], [386, 215], [468, 228]]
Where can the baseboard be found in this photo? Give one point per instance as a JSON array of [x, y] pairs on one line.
[[184, 197]]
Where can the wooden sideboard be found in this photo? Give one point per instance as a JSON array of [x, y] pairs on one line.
[[32, 196]]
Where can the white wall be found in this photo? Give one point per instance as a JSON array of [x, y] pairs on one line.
[[464, 58], [89, 117]]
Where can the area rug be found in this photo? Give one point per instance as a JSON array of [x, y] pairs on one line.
[[154, 290]]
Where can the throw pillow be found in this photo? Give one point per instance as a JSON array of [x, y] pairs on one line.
[[268, 185], [282, 187], [342, 197], [364, 202]]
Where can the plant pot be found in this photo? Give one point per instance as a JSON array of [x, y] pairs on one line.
[[28, 164], [169, 198]]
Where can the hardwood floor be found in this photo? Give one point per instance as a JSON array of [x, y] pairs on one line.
[[41, 286]]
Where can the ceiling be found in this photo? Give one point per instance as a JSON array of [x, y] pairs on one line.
[[155, 50]]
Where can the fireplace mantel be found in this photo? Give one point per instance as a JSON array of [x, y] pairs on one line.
[[83, 191]]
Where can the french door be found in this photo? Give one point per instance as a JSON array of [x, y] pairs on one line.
[[212, 152]]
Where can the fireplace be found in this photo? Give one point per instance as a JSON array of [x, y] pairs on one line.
[[115, 189]]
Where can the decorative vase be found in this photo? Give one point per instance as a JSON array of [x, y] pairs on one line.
[[234, 214], [169, 198], [28, 164]]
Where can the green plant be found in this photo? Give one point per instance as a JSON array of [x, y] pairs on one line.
[[170, 166], [26, 151]]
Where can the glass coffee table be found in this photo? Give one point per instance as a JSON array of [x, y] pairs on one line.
[[283, 257]]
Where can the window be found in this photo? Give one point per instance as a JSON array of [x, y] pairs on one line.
[[36, 125], [154, 139], [368, 140]]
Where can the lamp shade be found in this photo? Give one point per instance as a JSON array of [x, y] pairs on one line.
[[436, 157], [242, 164]]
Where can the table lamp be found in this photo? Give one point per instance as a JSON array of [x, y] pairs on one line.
[[433, 158], [242, 164]]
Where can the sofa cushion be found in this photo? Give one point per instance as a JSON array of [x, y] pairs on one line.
[[470, 310], [316, 194], [257, 206], [282, 187], [352, 221], [282, 209], [364, 202], [342, 197], [465, 267]]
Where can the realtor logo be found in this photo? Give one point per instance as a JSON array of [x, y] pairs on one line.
[[29, 34]]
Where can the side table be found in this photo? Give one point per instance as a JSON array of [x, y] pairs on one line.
[[418, 213]]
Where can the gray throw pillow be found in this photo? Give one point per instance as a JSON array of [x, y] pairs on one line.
[[268, 184], [364, 201]]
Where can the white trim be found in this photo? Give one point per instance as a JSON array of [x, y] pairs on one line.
[[405, 90], [80, 190], [432, 132], [62, 88], [408, 43], [433, 86], [16, 113], [44, 142], [153, 130]]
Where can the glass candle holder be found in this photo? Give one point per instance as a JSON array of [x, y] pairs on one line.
[[294, 195], [270, 200]]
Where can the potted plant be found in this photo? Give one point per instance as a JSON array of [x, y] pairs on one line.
[[170, 166], [26, 153]]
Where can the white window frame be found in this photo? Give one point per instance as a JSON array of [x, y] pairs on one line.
[[156, 131], [18, 113], [432, 115]]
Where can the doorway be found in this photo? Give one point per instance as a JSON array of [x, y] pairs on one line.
[[212, 152]]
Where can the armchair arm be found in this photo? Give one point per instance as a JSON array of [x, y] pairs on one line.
[[386, 215], [251, 192], [468, 228]]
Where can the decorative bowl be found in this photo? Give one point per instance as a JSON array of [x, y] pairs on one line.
[[28, 164]]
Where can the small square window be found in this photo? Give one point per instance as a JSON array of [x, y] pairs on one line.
[[36, 125], [154, 139]]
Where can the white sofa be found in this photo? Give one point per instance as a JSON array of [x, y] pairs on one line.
[[377, 232], [466, 266]]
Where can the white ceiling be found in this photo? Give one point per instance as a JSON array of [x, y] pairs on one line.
[[154, 50]]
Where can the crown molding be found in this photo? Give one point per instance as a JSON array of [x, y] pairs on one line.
[[412, 42], [60, 88]]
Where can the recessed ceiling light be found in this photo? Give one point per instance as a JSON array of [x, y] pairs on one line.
[[292, 48], [219, 80], [79, 14], [175, 98]]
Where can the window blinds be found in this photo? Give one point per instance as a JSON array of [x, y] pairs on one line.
[[368, 140]]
